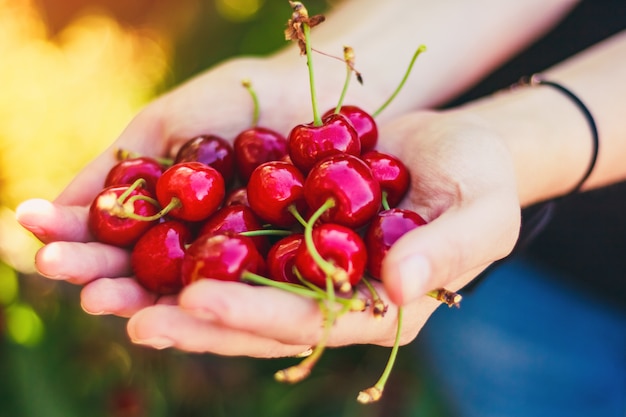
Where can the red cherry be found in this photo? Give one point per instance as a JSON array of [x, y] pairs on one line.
[[237, 196], [198, 188], [273, 188], [257, 145], [386, 228], [309, 143], [236, 219], [157, 257], [391, 173], [127, 171], [110, 215], [349, 183], [363, 123], [340, 246], [281, 257], [222, 256], [210, 150]]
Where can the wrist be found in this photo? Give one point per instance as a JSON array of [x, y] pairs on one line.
[[547, 135]]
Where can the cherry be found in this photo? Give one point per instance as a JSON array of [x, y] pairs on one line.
[[338, 245], [347, 182], [210, 150], [236, 219], [281, 257], [223, 256], [112, 214], [157, 257], [237, 195], [309, 143], [190, 191], [363, 123], [275, 189], [391, 173], [384, 230], [257, 145], [127, 171]]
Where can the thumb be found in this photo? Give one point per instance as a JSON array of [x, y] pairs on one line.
[[451, 250]]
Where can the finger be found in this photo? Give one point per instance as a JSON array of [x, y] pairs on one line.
[[463, 239], [81, 263], [121, 297], [54, 222], [290, 318], [164, 326]]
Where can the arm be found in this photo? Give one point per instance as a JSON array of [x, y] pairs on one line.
[[549, 143]]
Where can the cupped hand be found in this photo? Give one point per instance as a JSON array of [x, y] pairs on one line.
[[463, 183]]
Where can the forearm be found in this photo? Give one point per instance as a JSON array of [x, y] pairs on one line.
[[547, 133], [464, 40]]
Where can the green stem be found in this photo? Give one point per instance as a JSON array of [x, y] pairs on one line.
[[374, 393], [344, 90], [131, 188], [385, 200], [174, 203], [255, 100], [327, 267], [317, 120], [266, 232], [419, 50]]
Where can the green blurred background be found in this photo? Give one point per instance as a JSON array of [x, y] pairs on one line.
[[73, 74]]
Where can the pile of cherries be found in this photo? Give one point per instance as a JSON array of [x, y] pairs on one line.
[[313, 213], [220, 210]]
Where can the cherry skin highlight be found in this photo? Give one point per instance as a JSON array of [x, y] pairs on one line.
[[157, 257], [109, 220], [337, 244], [257, 145], [273, 188], [223, 256], [391, 173], [280, 259], [363, 123], [386, 228], [309, 143], [236, 219], [199, 188], [210, 150], [127, 171], [349, 183]]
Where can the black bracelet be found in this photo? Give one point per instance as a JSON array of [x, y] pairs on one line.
[[535, 221], [537, 79]]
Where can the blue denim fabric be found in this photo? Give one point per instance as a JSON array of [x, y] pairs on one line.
[[523, 344]]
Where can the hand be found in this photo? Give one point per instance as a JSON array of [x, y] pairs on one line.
[[463, 183]]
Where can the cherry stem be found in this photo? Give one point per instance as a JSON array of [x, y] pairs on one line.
[[327, 267], [266, 232], [122, 154], [375, 392], [451, 298], [174, 203], [306, 29], [300, 371], [131, 188], [385, 200], [378, 304], [419, 50], [347, 57], [255, 100], [294, 212]]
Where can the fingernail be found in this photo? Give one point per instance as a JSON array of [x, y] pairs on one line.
[[158, 342], [414, 276], [93, 313]]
